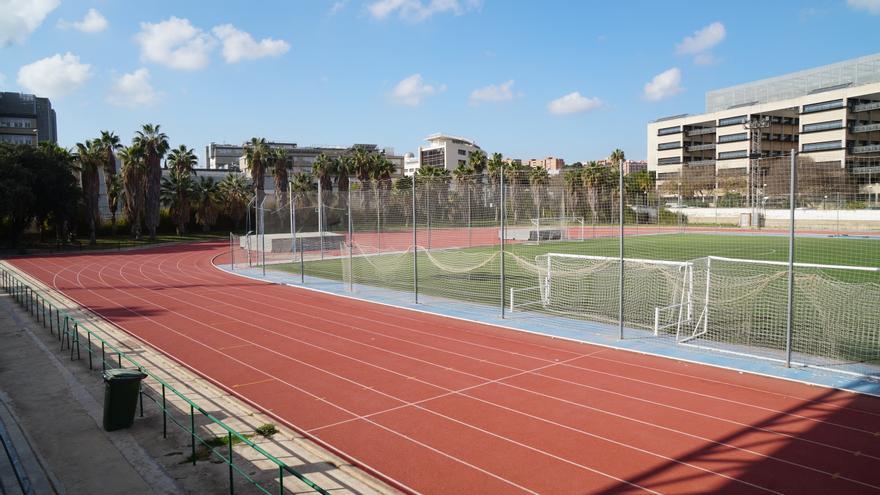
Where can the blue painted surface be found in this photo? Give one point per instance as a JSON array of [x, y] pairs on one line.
[[635, 340]]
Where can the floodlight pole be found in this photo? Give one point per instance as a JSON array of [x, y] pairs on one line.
[[620, 285], [754, 126], [503, 235], [792, 197]]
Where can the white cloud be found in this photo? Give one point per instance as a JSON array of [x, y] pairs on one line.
[[412, 90], [54, 76], [240, 45], [338, 7], [705, 59], [664, 85], [133, 90], [419, 10], [175, 43], [703, 40], [20, 18], [872, 6], [573, 103], [493, 93], [93, 22]]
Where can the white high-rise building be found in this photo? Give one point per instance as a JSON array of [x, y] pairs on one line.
[[442, 150]]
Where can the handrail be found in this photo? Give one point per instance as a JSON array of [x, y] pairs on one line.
[[37, 305]]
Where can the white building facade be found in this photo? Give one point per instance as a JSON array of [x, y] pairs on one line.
[[443, 150]]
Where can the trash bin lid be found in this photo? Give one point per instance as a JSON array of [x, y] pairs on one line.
[[124, 374]]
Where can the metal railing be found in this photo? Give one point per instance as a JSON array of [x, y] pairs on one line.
[[866, 128], [699, 147], [70, 332], [701, 131], [864, 107]]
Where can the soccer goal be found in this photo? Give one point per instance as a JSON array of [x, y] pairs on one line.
[[742, 307], [557, 228], [658, 294]]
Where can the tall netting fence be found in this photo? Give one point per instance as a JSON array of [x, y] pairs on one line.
[[726, 257]]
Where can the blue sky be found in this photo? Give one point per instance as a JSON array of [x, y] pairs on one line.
[[529, 79]]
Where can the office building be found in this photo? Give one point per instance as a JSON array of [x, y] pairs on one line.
[[26, 119], [553, 165], [830, 114]]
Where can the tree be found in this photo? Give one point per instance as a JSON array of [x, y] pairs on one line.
[[573, 190], [593, 177], [177, 194], [538, 180], [515, 175], [206, 199], [617, 157], [153, 144], [90, 157], [254, 154], [111, 144], [280, 161], [340, 167], [133, 185], [182, 159], [362, 164], [301, 185], [323, 171], [236, 193], [478, 161], [494, 169]]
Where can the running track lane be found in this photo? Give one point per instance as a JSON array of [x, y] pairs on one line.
[[437, 405]]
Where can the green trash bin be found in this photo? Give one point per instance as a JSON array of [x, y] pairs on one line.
[[121, 389]]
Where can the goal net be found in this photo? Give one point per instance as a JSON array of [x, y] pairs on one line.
[[657, 293], [743, 307]]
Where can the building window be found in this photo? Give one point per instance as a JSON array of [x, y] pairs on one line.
[[16, 122], [668, 175], [739, 119], [669, 161], [823, 126], [17, 139], [726, 155], [824, 145], [741, 136], [825, 105], [462, 162], [462, 152], [669, 130], [669, 146]]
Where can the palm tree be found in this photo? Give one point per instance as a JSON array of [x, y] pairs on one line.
[[90, 158], [538, 180], [177, 194], [592, 177], [279, 160], [515, 175], [110, 143], [322, 169], [494, 169], [301, 184], [206, 199], [133, 176], [182, 159], [362, 164], [255, 154], [341, 167], [573, 188], [617, 157], [463, 174], [478, 161], [236, 192], [153, 144]]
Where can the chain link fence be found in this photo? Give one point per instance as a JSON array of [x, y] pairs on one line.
[[745, 260]]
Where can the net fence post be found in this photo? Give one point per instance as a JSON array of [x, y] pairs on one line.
[[231, 253], [621, 282], [350, 242], [263, 234], [791, 207], [415, 244], [321, 217], [292, 220], [501, 271]]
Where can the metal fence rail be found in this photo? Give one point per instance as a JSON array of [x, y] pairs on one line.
[[73, 335]]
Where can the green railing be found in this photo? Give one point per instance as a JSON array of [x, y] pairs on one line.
[[70, 333]]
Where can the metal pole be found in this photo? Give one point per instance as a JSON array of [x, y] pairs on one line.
[[792, 186], [350, 242], [263, 236], [468, 186], [501, 272], [321, 218], [292, 220], [620, 288], [415, 245], [231, 253]]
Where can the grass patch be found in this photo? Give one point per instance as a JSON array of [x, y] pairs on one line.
[[266, 430]]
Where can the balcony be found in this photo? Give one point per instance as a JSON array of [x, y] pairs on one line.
[[701, 131], [864, 107], [871, 148], [700, 147], [866, 128], [698, 163]]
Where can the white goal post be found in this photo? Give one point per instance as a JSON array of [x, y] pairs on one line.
[[658, 294]]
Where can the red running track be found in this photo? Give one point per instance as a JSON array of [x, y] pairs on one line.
[[437, 405]]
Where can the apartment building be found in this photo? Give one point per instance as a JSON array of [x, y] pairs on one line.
[[552, 164], [443, 150], [26, 119], [830, 114]]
